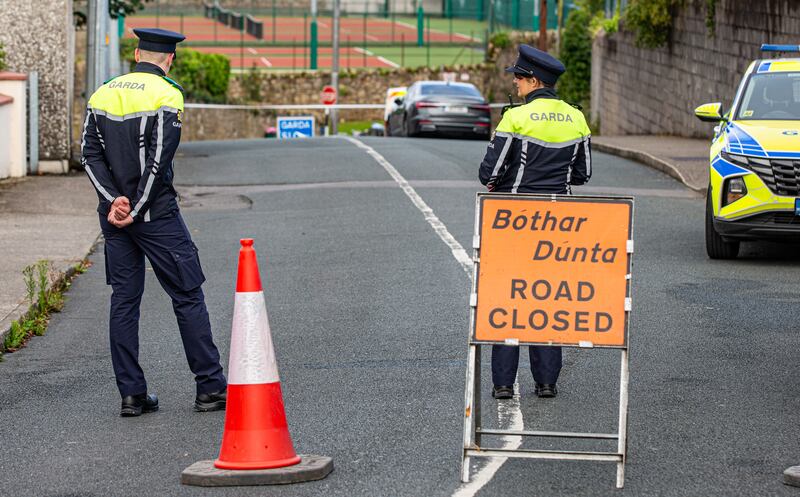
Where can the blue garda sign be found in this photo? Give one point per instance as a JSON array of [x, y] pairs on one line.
[[295, 127]]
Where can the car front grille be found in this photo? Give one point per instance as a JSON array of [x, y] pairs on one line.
[[775, 218], [782, 176]]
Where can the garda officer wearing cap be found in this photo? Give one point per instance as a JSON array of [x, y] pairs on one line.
[[541, 146], [130, 135]]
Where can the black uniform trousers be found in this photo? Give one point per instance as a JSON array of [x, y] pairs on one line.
[[168, 246], [545, 364], [545, 360]]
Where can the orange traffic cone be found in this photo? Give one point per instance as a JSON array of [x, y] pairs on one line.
[[256, 435]]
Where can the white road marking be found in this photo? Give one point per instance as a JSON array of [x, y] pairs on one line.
[[266, 62], [362, 51], [322, 24], [252, 50], [438, 226], [373, 38], [508, 413]]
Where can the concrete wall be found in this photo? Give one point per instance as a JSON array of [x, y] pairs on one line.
[[13, 126], [38, 36], [642, 91], [5, 136]]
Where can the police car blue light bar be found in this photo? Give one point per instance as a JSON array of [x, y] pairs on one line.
[[780, 48]]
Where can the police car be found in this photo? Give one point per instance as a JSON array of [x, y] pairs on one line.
[[754, 190]]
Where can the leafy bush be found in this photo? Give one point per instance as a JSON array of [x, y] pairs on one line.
[[500, 40], [651, 20], [204, 76], [2, 58], [576, 52]]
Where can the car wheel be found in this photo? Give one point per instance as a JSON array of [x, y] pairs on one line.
[[716, 246], [407, 131]]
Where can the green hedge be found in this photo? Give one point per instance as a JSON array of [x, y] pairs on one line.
[[204, 76], [576, 53], [651, 20], [2, 58]]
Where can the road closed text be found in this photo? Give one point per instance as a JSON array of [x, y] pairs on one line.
[[563, 318]]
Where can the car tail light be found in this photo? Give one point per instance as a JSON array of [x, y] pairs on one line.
[[480, 107], [482, 124], [734, 190], [421, 105]]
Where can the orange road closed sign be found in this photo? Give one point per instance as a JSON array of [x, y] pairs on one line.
[[553, 270]]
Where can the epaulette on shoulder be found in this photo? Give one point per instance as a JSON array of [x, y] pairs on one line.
[[577, 106], [110, 79], [174, 83]]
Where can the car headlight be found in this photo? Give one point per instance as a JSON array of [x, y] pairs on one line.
[[734, 189]]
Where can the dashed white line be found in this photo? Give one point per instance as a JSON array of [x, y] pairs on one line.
[[509, 413], [370, 37], [438, 226], [266, 62], [252, 50]]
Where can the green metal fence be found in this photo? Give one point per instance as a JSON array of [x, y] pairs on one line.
[[497, 14]]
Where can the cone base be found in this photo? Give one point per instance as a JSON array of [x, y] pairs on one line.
[[281, 463], [204, 474]]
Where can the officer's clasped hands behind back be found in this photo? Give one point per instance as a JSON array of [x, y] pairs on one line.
[[541, 146]]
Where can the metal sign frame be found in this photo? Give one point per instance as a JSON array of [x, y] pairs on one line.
[[474, 431], [281, 119]]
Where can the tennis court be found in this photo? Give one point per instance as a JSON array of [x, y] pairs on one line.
[[297, 58], [286, 30]]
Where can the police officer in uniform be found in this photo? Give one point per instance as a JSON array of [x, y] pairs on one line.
[[130, 135], [541, 146]]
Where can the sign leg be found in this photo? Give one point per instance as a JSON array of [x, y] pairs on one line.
[[622, 443], [469, 410]]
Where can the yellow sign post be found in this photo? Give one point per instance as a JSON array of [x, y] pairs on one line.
[[551, 270]]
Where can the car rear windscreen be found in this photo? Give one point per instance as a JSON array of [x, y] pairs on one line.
[[450, 90]]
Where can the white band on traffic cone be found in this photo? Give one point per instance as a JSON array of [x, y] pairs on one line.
[[252, 354]]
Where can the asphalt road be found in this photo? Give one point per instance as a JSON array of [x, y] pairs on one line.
[[368, 309]]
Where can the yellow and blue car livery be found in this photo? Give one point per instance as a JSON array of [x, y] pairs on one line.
[[754, 188]]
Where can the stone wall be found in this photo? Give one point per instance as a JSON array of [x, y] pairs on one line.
[[38, 36], [643, 91]]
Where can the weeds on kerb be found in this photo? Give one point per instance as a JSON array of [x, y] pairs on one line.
[[42, 301]]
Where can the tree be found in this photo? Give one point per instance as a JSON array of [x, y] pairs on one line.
[[115, 8], [125, 7]]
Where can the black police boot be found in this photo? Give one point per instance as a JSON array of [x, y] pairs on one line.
[[206, 402], [136, 405], [546, 390], [503, 391]]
